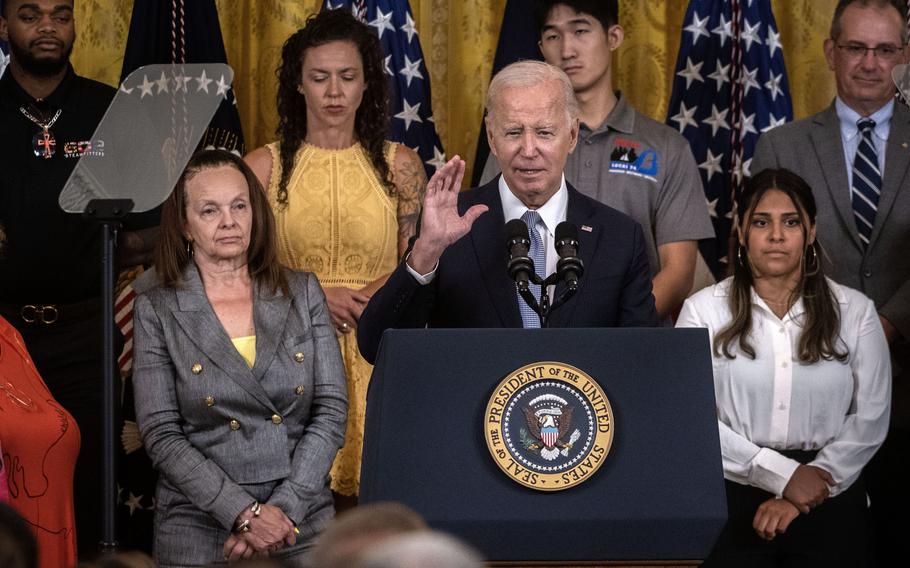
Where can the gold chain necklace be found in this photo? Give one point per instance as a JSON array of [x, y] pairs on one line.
[[43, 143]]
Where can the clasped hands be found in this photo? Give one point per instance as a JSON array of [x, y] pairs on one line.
[[808, 488], [268, 531]]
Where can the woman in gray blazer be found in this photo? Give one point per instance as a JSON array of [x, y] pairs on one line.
[[240, 388]]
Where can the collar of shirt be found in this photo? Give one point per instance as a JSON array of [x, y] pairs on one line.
[[552, 213], [12, 94], [797, 309], [848, 118], [620, 119]]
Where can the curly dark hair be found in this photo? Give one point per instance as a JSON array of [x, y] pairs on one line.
[[371, 123]]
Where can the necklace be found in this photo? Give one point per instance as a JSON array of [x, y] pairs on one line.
[[43, 143]]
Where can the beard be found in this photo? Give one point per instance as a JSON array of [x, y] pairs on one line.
[[39, 67]]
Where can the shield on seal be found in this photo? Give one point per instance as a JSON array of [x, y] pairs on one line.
[[549, 435]]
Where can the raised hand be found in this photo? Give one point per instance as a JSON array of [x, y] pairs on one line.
[[440, 223], [808, 487]]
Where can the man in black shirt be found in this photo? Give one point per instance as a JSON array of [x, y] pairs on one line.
[[50, 260]]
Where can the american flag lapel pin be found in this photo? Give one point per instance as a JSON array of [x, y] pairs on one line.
[[587, 228]]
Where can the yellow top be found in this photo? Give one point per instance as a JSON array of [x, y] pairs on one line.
[[340, 222], [246, 346]]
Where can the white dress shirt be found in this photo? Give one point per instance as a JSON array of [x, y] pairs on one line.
[[775, 402]]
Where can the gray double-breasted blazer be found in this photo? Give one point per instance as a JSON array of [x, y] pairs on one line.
[[812, 148], [223, 435]]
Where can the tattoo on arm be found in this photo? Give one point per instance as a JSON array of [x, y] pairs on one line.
[[411, 182]]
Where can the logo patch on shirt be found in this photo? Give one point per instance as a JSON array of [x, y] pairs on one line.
[[629, 158], [77, 149]]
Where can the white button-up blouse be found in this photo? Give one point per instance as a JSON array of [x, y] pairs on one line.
[[775, 402]]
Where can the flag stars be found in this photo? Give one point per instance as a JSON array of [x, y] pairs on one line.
[[382, 22], [698, 28], [203, 83], [773, 85], [408, 27], [409, 114], [439, 158], [712, 166], [773, 41], [223, 87], [134, 502], [146, 87], [685, 117], [748, 80], [387, 65], [180, 82], [750, 34], [724, 30], [721, 75], [775, 122], [748, 125], [712, 207], [411, 69], [692, 72], [162, 83], [717, 120]]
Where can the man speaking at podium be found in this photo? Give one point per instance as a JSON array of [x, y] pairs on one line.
[[455, 274]]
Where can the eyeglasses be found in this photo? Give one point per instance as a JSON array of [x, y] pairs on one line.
[[884, 51]]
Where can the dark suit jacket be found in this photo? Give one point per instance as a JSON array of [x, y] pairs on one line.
[[813, 149], [472, 287]]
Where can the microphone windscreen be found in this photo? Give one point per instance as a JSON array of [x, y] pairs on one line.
[[516, 228], [566, 230]]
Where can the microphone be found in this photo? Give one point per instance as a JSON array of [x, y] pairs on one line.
[[521, 267], [569, 267]]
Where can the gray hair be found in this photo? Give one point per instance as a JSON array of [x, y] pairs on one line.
[[529, 73], [420, 549]]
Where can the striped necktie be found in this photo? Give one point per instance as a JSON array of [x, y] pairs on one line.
[[537, 253], [867, 182]]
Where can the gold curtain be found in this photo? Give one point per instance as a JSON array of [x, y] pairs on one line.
[[459, 41]]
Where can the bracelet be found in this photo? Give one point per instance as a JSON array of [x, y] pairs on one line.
[[256, 508], [243, 526]]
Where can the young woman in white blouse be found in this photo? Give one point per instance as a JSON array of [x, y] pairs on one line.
[[802, 380]]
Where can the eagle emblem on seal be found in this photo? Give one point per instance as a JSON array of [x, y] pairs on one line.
[[549, 420]]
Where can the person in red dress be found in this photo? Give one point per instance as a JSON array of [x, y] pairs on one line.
[[40, 444]]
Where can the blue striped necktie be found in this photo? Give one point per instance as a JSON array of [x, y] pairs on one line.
[[867, 182], [537, 253]]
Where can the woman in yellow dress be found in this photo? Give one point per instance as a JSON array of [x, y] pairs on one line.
[[346, 200]]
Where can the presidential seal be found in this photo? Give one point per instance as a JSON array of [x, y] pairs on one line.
[[549, 426]]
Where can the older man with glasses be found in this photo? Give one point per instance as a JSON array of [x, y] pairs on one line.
[[856, 156]]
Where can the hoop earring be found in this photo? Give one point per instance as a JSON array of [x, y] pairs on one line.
[[739, 255], [814, 262], [189, 249]]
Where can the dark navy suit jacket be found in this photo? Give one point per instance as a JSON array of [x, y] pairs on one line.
[[472, 287]]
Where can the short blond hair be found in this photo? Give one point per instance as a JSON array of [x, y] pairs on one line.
[[529, 73]]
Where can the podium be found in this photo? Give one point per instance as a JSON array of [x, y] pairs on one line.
[[658, 497]]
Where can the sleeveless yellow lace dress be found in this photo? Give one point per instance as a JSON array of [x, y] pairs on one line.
[[341, 224]]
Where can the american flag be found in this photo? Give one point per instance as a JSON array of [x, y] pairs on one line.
[[730, 86], [411, 113]]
